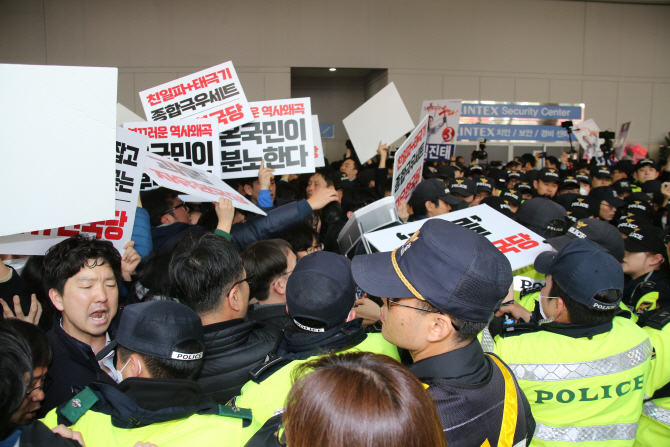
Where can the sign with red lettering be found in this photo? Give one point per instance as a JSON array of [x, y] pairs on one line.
[[442, 127], [194, 181], [212, 93], [409, 163], [319, 160]]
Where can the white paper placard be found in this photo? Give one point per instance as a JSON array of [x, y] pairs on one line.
[[383, 117], [520, 245], [194, 182], [212, 93], [193, 142], [622, 139], [281, 135], [319, 160], [125, 115], [442, 127], [131, 150], [58, 127], [408, 164], [587, 133]]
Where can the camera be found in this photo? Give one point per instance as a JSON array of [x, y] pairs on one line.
[[567, 125], [480, 154], [606, 147]]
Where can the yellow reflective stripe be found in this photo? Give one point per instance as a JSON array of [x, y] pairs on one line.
[[508, 426]]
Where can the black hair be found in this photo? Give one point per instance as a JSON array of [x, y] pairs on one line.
[[356, 198], [467, 330], [418, 204], [67, 258], [580, 314], [37, 340], [157, 202], [15, 363], [301, 237], [528, 158], [160, 368], [553, 160], [208, 218], [387, 185], [153, 277], [327, 175], [266, 260], [33, 275], [357, 164], [203, 267]]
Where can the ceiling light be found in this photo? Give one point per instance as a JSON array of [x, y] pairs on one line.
[[332, 69]]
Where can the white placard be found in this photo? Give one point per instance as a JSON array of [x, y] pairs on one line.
[[442, 127], [281, 135], [520, 245], [383, 117], [194, 182], [58, 127], [212, 93], [193, 142], [131, 150], [408, 164], [622, 139], [587, 135], [125, 115], [319, 160]]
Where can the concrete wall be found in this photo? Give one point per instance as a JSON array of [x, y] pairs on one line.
[[615, 58]]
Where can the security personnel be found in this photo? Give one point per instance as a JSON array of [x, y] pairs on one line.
[[584, 370], [440, 290], [320, 295], [159, 349]]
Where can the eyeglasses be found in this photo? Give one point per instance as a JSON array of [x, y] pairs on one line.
[[279, 277], [247, 279], [45, 384], [178, 206], [389, 302]]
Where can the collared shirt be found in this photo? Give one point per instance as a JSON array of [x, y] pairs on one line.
[[467, 364]]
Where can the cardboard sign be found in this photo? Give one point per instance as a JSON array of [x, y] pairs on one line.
[[281, 135], [131, 150], [369, 218], [193, 142], [125, 115], [520, 245], [587, 135], [383, 117], [58, 127], [319, 160], [409, 163], [622, 139], [194, 181], [212, 93], [442, 127]]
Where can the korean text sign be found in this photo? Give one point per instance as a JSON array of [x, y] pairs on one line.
[[520, 245], [194, 181], [193, 142], [319, 160], [409, 163], [442, 127], [212, 93], [281, 134]]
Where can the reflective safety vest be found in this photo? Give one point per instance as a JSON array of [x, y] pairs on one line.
[[582, 391], [267, 398]]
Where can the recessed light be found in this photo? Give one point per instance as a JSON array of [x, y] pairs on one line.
[[332, 69]]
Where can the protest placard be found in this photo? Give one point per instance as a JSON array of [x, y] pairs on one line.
[[58, 127], [520, 245], [212, 93], [319, 160], [193, 142], [383, 117], [442, 127], [409, 163], [369, 218], [194, 181], [131, 150], [281, 135], [125, 115], [586, 134], [622, 140]]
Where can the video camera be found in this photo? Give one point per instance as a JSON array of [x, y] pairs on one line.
[[480, 154], [606, 147]]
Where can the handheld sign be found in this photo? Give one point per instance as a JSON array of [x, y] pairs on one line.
[[442, 127], [383, 117], [622, 139], [587, 134], [520, 245], [319, 160], [212, 93], [194, 181], [369, 218], [409, 163]]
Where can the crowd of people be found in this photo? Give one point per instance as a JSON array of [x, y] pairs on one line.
[[217, 326]]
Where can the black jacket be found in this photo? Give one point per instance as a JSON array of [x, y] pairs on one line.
[[232, 348], [637, 288], [273, 315], [36, 434], [73, 366]]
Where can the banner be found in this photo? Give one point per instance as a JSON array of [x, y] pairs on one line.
[[537, 111], [383, 117], [193, 142], [408, 164], [442, 127], [512, 132], [281, 134], [195, 182], [622, 139], [586, 134], [131, 150], [520, 245], [319, 160], [212, 93]]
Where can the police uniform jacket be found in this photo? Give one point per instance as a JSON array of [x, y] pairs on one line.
[[644, 294]]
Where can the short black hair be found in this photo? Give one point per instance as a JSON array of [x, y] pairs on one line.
[[266, 260], [467, 330], [33, 275], [418, 204], [160, 368], [528, 158], [580, 314], [153, 277], [327, 175], [37, 340], [67, 258], [356, 198], [357, 164], [157, 202], [553, 160], [203, 267], [301, 237], [15, 363]]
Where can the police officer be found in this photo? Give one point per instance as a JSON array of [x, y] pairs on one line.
[[439, 290], [159, 351], [584, 370]]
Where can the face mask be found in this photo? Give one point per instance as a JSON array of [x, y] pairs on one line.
[[118, 376], [545, 319], [582, 191]]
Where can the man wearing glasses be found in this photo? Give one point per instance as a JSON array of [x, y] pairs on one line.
[[440, 290]]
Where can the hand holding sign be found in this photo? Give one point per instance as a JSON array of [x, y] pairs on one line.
[[265, 176], [226, 213], [322, 197], [129, 261]]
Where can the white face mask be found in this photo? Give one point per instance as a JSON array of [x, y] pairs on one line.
[[118, 376], [582, 191], [545, 319]]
